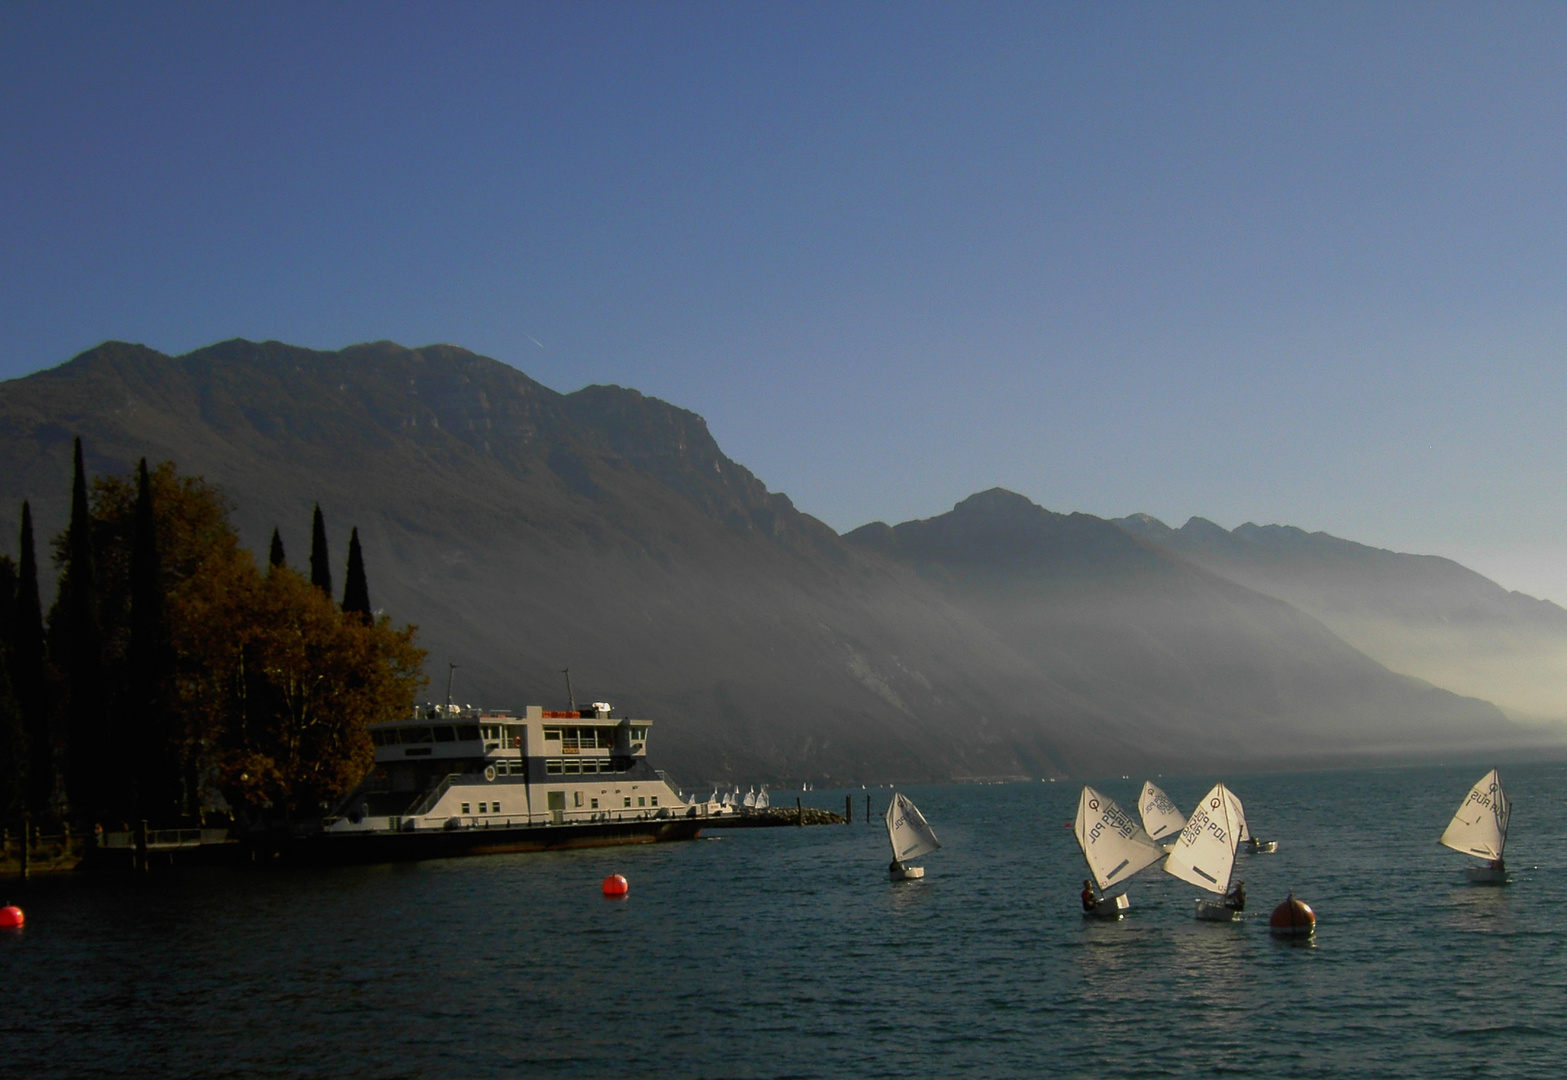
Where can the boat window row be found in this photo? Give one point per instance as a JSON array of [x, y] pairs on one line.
[[440, 733], [581, 738], [508, 768], [625, 800], [484, 808], [573, 766]]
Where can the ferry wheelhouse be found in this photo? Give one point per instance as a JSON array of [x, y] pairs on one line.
[[453, 780]]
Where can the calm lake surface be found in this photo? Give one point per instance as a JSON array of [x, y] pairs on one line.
[[787, 953]]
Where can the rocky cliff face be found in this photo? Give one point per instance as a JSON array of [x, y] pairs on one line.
[[527, 531]]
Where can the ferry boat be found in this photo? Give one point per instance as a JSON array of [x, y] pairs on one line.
[[454, 780]]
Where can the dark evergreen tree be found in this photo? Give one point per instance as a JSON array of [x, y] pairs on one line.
[[275, 556], [154, 744], [13, 753], [29, 679], [356, 590], [320, 562], [76, 648], [13, 737]]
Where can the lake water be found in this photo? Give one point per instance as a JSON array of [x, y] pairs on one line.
[[787, 953]]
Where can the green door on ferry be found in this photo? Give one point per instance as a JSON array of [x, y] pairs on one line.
[[557, 806]]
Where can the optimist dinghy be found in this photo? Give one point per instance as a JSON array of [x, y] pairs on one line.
[[1115, 847], [910, 836], [1480, 828], [1205, 855], [1244, 840]]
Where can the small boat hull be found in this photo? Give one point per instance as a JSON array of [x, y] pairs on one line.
[[1262, 847], [1111, 907], [907, 873], [1213, 911], [1486, 875]]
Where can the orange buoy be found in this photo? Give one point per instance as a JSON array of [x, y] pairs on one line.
[[11, 917], [1293, 918], [616, 885]]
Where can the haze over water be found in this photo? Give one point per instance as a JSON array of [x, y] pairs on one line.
[[785, 952]]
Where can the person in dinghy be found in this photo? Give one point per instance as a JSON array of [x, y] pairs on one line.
[[1235, 899]]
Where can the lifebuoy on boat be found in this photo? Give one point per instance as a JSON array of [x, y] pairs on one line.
[[489, 772]]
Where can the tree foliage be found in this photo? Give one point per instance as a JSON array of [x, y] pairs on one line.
[[226, 684]]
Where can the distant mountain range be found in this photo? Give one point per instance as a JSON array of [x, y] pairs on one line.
[[1418, 614], [527, 531]]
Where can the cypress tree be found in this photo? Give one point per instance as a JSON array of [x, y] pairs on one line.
[[356, 591], [320, 563], [28, 680], [275, 556], [13, 736], [147, 733], [76, 646]]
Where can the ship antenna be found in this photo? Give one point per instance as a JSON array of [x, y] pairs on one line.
[[451, 669], [571, 702]]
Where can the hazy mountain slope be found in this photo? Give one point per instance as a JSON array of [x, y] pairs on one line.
[[526, 530], [1419, 614], [1216, 669]]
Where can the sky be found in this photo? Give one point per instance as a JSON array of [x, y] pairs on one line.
[[1283, 263]]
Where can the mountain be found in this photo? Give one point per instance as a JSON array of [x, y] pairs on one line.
[[1419, 614], [527, 531]]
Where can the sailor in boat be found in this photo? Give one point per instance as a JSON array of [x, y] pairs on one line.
[[1090, 901], [1235, 899]]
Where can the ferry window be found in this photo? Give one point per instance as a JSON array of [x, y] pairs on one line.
[[590, 766], [641, 801], [573, 766], [594, 804], [552, 734], [495, 807], [417, 735], [484, 808], [465, 808], [628, 800], [554, 767], [576, 798], [445, 734], [467, 732], [655, 800]]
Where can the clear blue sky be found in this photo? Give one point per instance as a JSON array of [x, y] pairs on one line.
[[1294, 263]]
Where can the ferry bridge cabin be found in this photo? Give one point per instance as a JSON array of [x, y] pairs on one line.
[[451, 767]]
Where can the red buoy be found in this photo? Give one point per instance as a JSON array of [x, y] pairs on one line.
[[11, 917], [1293, 918], [616, 885]]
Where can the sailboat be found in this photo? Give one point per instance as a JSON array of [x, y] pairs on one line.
[[1205, 853], [1480, 828], [1115, 846], [1162, 819], [762, 799], [1244, 840], [750, 798], [910, 836]]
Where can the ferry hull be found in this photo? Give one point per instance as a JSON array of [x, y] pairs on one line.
[[330, 849]]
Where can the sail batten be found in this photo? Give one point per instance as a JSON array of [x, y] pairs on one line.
[[1209, 839], [1480, 825], [1115, 846], [907, 830]]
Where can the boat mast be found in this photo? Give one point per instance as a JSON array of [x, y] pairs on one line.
[[571, 702], [451, 669]]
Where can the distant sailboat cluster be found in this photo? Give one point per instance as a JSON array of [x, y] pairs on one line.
[[731, 802]]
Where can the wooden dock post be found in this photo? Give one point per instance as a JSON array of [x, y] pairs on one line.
[[799, 812], [27, 843], [848, 809], [867, 809]]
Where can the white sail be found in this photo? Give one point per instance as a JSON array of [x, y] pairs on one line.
[[1205, 853], [1480, 826], [1114, 845], [750, 798], [763, 801], [1161, 817], [907, 830], [1237, 817]]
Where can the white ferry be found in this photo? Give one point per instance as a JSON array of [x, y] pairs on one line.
[[455, 780]]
